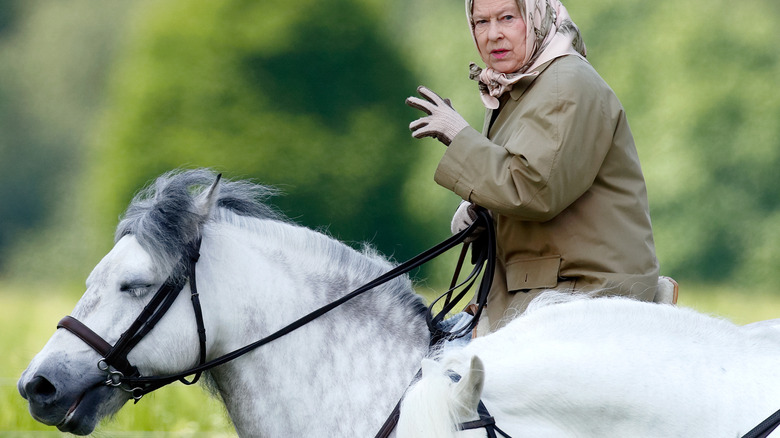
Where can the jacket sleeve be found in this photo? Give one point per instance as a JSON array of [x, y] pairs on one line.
[[560, 133]]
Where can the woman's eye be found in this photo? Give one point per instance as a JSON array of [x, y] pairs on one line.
[[507, 18], [480, 26]]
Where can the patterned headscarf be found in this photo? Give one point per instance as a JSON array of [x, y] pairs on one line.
[[550, 34]]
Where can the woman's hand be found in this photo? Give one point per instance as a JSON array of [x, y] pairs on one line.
[[463, 218], [442, 122]]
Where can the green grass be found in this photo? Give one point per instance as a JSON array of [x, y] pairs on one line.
[[28, 318]]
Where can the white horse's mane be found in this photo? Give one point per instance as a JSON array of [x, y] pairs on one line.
[[164, 218]]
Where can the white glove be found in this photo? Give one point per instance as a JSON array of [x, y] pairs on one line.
[[464, 216], [442, 122]]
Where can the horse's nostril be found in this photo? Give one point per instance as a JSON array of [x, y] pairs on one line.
[[40, 389]]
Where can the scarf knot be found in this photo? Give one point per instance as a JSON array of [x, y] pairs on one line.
[[493, 84]]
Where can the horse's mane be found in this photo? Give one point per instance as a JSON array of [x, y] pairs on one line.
[[164, 216]]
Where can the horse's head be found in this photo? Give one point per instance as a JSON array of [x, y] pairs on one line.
[[63, 384]]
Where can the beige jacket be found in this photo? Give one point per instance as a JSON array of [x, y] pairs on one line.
[[559, 171]]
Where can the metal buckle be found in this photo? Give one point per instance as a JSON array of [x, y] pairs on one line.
[[114, 379]]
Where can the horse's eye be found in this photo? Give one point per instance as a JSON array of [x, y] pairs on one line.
[[135, 288]]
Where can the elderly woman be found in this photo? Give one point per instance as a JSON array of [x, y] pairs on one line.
[[555, 164]]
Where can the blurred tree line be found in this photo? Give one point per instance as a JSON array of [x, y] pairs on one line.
[[97, 98]]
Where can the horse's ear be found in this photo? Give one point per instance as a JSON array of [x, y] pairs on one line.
[[208, 200], [467, 392]]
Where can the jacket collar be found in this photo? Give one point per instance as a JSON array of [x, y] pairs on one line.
[[517, 91], [522, 85]]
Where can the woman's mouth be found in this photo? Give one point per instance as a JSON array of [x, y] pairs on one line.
[[499, 53]]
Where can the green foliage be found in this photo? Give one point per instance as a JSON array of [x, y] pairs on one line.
[[305, 96], [8, 15], [698, 80], [309, 97], [52, 55], [19, 196]]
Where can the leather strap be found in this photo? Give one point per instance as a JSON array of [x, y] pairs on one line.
[[485, 421], [765, 428], [97, 343], [116, 356], [194, 297], [154, 382], [86, 334], [392, 419]]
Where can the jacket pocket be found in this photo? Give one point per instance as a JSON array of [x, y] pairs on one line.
[[534, 273]]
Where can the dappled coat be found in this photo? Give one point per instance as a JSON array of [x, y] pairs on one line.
[[560, 173]]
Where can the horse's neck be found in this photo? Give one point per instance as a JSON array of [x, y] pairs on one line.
[[337, 376]]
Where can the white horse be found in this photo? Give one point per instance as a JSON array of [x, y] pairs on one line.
[[590, 368], [572, 366]]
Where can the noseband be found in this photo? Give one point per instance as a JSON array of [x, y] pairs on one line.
[[120, 373]]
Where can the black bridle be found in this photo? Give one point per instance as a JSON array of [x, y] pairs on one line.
[[122, 374], [119, 371]]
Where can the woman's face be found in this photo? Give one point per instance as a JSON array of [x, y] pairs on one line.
[[500, 34]]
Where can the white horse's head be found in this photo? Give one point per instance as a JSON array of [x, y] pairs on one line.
[[436, 406], [256, 272], [63, 384]]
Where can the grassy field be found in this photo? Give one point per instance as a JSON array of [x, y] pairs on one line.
[[28, 318]]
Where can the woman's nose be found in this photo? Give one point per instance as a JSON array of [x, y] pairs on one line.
[[494, 30]]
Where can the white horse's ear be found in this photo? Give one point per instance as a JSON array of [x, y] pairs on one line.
[[467, 392], [208, 200]]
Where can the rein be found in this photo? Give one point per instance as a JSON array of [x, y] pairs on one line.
[[121, 374], [765, 427]]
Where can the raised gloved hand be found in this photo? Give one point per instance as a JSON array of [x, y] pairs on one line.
[[442, 122]]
